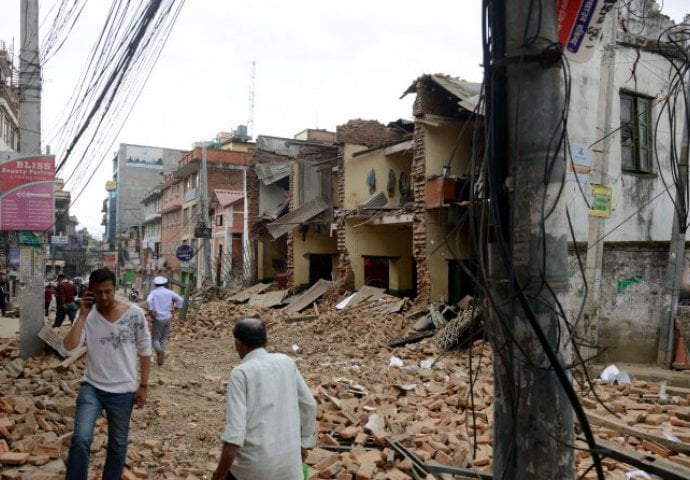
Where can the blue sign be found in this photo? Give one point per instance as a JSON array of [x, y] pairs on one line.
[[14, 257], [184, 253]]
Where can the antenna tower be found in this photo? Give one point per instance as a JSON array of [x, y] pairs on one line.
[[250, 119]]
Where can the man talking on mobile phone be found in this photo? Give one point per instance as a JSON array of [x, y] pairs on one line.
[[115, 334]]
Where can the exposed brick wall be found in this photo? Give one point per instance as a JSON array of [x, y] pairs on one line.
[[419, 234], [230, 179], [253, 214], [434, 100], [367, 132], [291, 237], [346, 278]]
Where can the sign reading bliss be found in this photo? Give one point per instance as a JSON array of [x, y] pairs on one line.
[[27, 191]]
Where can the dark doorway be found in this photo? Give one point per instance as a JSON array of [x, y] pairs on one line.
[[460, 280], [320, 266], [376, 272]]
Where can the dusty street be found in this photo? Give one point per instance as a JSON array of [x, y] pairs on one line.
[[367, 392]]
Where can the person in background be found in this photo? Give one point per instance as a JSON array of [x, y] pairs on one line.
[[3, 298], [115, 334], [48, 296], [65, 292], [160, 306], [271, 413]]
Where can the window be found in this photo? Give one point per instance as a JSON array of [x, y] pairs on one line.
[[636, 133], [219, 220]]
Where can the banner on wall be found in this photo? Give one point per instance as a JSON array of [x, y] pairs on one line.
[[601, 201]]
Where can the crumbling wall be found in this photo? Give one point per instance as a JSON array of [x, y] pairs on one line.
[[290, 270], [434, 100], [367, 132], [419, 231], [346, 279], [632, 291], [253, 217]]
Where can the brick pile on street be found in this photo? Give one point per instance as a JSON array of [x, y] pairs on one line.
[[437, 405]]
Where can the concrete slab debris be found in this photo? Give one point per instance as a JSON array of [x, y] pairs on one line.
[[305, 299], [268, 300], [247, 293]]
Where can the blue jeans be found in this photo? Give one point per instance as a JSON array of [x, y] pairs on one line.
[[118, 410]]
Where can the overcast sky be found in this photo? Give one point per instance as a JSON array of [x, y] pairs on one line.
[[318, 64]]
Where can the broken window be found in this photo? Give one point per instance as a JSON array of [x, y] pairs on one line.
[[636, 133]]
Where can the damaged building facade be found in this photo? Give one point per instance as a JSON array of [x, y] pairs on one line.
[[620, 190], [293, 192]]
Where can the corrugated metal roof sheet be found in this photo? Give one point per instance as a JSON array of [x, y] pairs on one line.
[[292, 219], [270, 173], [455, 86], [280, 146], [226, 197], [459, 88], [378, 200]]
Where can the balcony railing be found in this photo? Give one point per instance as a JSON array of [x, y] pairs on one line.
[[190, 195]]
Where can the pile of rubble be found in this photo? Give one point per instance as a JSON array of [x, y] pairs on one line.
[[395, 401]]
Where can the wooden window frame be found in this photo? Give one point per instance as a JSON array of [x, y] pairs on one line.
[[637, 136]]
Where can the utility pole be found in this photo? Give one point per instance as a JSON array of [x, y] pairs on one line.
[[534, 428], [676, 255], [31, 311], [203, 200], [589, 330]]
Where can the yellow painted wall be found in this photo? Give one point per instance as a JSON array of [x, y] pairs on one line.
[[268, 250], [439, 144], [380, 240], [357, 169], [443, 244], [313, 242]]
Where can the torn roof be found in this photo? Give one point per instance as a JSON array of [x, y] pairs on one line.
[[226, 197], [459, 88], [281, 146], [294, 218], [270, 173]]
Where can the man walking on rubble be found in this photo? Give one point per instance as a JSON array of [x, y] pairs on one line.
[[160, 306], [65, 292], [271, 413], [115, 333]]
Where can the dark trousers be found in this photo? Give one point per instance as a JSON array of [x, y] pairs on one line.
[[230, 477], [69, 309]]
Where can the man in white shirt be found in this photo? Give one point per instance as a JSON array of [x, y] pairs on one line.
[[271, 413], [160, 305], [115, 334]]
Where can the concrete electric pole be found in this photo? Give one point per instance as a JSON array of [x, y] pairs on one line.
[[599, 175], [676, 258], [31, 308], [534, 397], [203, 200]]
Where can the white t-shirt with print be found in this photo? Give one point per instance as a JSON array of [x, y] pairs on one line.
[[113, 349]]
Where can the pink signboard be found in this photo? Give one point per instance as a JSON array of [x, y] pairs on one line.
[[27, 191]]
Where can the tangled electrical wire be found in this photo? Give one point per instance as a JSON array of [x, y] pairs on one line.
[[528, 298], [116, 72]]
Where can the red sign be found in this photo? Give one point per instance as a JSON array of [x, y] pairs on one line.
[[27, 191], [580, 24]]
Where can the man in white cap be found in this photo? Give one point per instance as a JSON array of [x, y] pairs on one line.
[[160, 306]]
